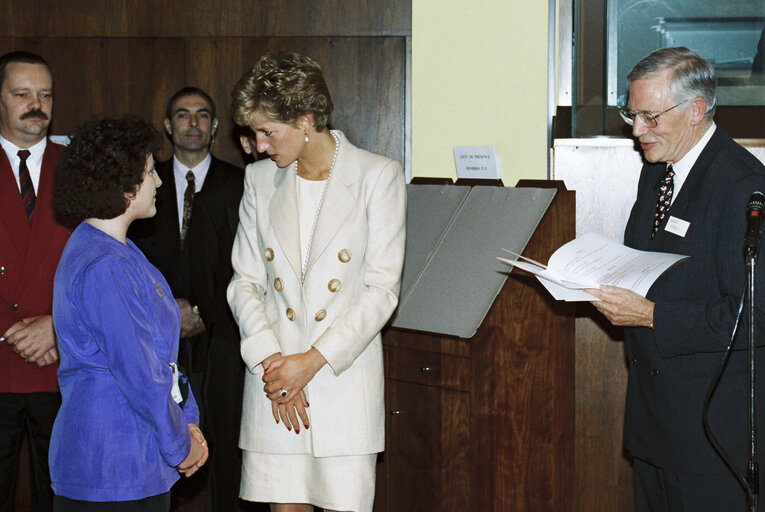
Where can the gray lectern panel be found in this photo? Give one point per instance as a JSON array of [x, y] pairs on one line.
[[429, 211], [461, 278]]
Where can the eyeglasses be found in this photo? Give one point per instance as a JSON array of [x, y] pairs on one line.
[[648, 119]]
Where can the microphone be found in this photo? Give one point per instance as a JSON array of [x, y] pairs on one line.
[[753, 222]]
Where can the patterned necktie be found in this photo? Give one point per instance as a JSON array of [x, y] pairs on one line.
[[666, 188], [25, 183], [188, 201]]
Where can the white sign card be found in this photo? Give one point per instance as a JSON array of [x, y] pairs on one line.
[[476, 162]]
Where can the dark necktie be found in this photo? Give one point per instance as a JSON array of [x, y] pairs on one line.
[[25, 183], [666, 188], [188, 201]]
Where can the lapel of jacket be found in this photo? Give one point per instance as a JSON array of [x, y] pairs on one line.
[[14, 218], [214, 176], [168, 231], [688, 203], [698, 182], [283, 212], [44, 218], [339, 201]]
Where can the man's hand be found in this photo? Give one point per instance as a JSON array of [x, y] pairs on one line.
[[31, 338], [191, 323], [48, 358], [623, 307]]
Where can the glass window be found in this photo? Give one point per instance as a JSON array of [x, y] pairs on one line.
[[725, 32], [611, 36]]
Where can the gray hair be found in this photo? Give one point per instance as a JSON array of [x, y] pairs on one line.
[[691, 75]]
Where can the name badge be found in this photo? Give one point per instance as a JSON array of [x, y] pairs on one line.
[[677, 226], [176, 391]]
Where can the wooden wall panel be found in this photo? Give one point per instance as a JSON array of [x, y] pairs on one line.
[[108, 76], [100, 76], [203, 18], [366, 77]]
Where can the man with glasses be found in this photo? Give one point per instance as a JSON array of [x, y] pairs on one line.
[[692, 198]]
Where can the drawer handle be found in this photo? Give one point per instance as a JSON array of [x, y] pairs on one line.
[[425, 369], [396, 412]]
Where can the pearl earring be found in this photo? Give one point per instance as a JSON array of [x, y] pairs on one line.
[[307, 140]]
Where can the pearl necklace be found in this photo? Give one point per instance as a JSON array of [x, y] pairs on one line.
[[304, 270]]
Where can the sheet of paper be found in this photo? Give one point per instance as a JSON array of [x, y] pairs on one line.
[[568, 294], [476, 162], [592, 260]]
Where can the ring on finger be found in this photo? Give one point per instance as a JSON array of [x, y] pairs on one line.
[[283, 392]]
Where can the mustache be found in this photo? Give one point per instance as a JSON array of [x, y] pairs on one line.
[[35, 113]]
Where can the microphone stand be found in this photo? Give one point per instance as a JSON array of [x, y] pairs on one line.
[[752, 473]]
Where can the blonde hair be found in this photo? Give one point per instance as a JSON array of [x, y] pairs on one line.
[[282, 87]]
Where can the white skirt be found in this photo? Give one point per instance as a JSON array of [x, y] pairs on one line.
[[334, 483]]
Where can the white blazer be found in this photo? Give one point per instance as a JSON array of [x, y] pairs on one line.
[[350, 291]]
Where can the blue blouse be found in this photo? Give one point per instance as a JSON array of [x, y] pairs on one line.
[[119, 434]]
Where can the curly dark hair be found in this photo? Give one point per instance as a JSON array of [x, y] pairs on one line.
[[282, 87], [103, 166]]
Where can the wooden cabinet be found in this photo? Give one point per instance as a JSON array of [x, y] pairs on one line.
[[428, 402], [486, 424]]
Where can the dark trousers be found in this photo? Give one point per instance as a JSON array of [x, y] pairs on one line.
[[660, 490], [35, 414], [159, 503], [224, 383]]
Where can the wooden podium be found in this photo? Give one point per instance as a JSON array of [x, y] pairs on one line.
[[487, 423]]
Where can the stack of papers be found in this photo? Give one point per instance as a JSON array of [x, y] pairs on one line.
[[592, 260]]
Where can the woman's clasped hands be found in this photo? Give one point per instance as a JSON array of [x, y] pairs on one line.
[[197, 453], [284, 378]]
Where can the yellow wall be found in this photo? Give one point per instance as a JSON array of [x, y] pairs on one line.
[[479, 78]]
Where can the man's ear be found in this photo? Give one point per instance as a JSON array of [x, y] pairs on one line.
[[214, 126], [168, 127], [698, 109]]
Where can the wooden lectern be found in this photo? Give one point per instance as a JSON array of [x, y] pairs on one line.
[[487, 423]]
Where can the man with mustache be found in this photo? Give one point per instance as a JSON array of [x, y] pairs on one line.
[[190, 177], [691, 199], [31, 241]]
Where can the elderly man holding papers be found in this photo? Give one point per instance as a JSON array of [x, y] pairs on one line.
[[692, 197]]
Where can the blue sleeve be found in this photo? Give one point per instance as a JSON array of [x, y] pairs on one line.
[[132, 329], [190, 408]]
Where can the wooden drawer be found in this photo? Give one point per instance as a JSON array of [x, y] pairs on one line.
[[429, 368]]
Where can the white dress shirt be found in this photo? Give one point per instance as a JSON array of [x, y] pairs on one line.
[[34, 161], [179, 173]]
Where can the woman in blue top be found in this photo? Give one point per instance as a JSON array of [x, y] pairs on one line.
[[124, 430]]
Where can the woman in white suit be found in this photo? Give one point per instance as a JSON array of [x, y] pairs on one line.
[[317, 265]]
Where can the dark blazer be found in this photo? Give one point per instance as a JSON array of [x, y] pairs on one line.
[[211, 232], [160, 240], [29, 256], [672, 366]]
